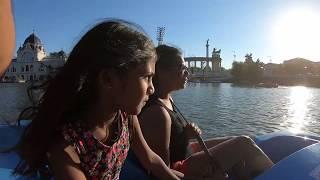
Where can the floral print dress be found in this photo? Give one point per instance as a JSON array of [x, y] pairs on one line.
[[97, 160]]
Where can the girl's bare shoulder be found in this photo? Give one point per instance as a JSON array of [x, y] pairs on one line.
[[64, 161], [63, 151]]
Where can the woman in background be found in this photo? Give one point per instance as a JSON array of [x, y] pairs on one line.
[[168, 134]]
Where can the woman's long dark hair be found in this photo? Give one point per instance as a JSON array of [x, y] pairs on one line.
[[166, 58], [112, 44]]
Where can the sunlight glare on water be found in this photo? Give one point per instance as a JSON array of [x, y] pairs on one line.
[[298, 109]]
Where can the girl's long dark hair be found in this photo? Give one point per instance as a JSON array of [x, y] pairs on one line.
[[112, 44]]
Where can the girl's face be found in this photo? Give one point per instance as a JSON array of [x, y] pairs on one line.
[[137, 88]]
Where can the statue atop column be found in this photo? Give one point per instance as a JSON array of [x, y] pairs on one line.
[[216, 60], [216, 52], [207, 49]]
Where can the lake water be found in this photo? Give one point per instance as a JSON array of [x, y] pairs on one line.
[[13, 99], [219, 109], [223, 109]]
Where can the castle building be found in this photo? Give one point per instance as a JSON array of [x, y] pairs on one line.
[[32, 63]]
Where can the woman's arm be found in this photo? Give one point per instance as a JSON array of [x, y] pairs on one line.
[[7, 33], [64, 162], [155, 124], [149, 160]]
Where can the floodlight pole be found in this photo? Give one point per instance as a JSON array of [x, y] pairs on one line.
[[160, 34]]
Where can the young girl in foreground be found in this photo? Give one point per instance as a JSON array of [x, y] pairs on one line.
[[86, 120], [168, 134]]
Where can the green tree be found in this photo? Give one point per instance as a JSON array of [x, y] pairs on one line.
[[236, 70], [247, 71]]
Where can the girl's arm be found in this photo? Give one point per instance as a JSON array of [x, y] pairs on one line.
[[64, 162], [196, 147], [155, 125], [7, 32], [149, 160]]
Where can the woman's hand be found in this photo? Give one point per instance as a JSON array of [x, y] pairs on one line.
[[192, 130], [179, 174]]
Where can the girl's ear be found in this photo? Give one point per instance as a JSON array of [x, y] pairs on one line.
[[104, 79], [108, 79]]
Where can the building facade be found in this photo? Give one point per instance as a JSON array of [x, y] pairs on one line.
[[207, 64], [32, 63]]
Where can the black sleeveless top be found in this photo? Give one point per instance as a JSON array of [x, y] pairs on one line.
[[178, 140]]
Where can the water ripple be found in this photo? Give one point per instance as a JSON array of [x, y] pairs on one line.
[[221, 109]]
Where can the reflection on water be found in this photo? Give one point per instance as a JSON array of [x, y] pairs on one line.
[[298, 109], [222, 109]]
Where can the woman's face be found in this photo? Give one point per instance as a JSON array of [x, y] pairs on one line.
[[179, 73], [137, 88]]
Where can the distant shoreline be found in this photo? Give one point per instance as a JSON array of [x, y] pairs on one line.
[[270, 82]]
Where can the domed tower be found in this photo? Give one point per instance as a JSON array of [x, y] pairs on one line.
[[32, 50], [216, 60]]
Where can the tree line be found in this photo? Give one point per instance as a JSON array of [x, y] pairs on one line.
[[249, 71]]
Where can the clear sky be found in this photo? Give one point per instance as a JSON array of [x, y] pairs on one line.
[[273, 30]]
